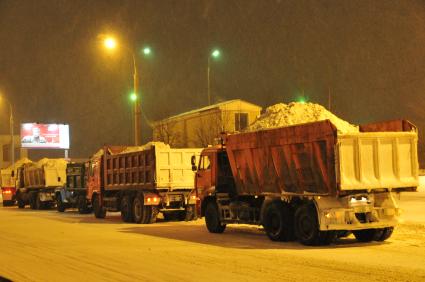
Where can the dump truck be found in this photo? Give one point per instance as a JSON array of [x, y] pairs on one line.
[[307, 182], [37, 183], [8, 182], [74, 193], [141, 182]]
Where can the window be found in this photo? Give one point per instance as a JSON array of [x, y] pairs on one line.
[[205, 163], [241, 121], [6, 153]]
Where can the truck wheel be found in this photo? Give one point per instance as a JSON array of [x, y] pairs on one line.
[[212, 219], [32, 200], [126, 209], [278, 222], [39, 205], [189, 213], [169, 216], [99, 211], [367, 235], [138, 210], [60, 205], [386, 233], [307, 227], [150, 214], [82, 205], [21, 203]]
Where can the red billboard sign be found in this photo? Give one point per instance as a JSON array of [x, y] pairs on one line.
[[49, 136]]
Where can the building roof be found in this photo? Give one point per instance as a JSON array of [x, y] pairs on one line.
[[207, 108]]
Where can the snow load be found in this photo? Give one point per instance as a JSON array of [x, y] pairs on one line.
[[280, 115], [147, 146], [51, 163]]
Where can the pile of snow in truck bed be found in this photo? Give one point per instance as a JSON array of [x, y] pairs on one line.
[[51, 163], [297, 113], [19, 163], [147, 146]]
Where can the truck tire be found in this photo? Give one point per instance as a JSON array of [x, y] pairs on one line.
[[386, 233], [126, 209], [99, 211], [39, 205], [189, 213], [307, 227], [82, 205], [278, 221], [212, 218], [21, 203], [150, 214], [32, 200], [138, 210], [367, 235], [60, 205]]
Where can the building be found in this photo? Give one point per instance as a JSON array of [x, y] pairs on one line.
[[5, 153], [200, 127]]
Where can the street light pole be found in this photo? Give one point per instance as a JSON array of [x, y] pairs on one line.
[[12, 141], [137, 112], [208, 82], [215, 54], [111, 44], [12, 146]]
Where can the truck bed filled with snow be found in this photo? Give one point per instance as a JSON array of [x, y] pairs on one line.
[[297, 113]]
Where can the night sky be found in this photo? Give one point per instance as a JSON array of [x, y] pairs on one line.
[[370, 55]]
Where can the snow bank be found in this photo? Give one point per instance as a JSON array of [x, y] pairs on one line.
[[297, 113]]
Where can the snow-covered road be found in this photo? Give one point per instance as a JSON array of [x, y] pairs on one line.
[[49, 246]]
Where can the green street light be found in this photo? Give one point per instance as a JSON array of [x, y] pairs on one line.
[[215, 53], [302, 99], [133, 97], [147, 51]]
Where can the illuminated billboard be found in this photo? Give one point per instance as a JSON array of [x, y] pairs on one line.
[[45, 136]]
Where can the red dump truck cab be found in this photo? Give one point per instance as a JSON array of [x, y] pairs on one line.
[[308, 182]]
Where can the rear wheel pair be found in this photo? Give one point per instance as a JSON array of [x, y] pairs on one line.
[[35, 201], [142, 213], [278, 221], [307, 227], [183, 215], [367, 235]]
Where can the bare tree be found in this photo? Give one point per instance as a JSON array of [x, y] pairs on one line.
[[165, 132], [211, 126]]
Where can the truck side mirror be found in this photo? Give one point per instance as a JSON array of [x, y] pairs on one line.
[[13, 173], [193, 162]]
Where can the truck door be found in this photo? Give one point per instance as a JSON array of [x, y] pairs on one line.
[[204, 175], [93, 178]]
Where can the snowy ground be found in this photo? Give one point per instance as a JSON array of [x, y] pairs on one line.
[[48, 246]]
